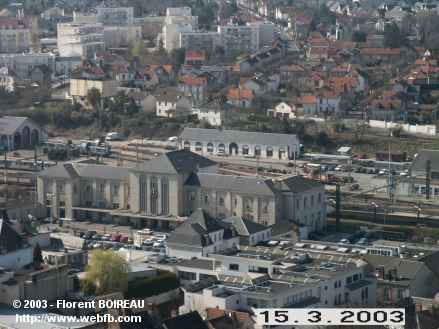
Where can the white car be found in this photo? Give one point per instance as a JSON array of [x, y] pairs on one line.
[[157, 245]]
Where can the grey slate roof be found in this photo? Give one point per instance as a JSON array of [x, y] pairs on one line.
[[9, 124], [236, 136], [299, 184], [245, 227], [405, 268], [10, 240], [243, 184], [194, 231], [420, 161], [181, 161], [86, 170]]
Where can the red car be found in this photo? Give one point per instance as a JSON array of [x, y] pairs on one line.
[[116, 237], [124, 239]]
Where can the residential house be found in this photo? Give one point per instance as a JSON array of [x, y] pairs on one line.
[[7, 80], [193, 87], [170, 102], [210, 113], [283, 111], [328, 102], [240, 97], [200, 235], [259, 84], [309, 105], [380, 54], [249, 232]]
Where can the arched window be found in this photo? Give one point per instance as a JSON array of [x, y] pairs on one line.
[[269, 151], [187, 145], [210, 147], [221, 148], [198, 146], [257, 150], [245, 149]]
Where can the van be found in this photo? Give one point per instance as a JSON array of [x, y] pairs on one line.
[[172, 139], [114, 136]]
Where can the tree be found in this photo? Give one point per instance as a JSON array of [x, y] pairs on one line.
[[178, 56], [38, 257], [392, 36], [94, 99], [359, 36], [107, 271]]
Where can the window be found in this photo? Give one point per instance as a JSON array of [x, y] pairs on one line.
[[221, 201], [297, 205], [305, 202], [61, 188], [115, 205], [206, 199], [210, 147], [88, 188], [62, 204], [269, 152], [312, 200], [187, 145], [245, 149], [257, 150], [320, 197], [198, 146], [102, 188], [115, 190], [234, 267]]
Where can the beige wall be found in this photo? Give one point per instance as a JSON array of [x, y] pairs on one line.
[[80, 87]]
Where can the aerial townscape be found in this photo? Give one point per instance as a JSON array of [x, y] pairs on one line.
[[205, 159]]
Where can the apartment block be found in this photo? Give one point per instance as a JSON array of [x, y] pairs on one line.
[[80, 39]]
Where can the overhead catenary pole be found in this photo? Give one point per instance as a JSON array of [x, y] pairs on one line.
[[427, 179], [337, 207]]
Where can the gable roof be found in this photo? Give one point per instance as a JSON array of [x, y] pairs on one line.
[[245, 227], [86, 170], [299, 184], [237, 136], [190, 320], [181, 161], [10, 240], [244, 184], [9, 124], [405, 268]]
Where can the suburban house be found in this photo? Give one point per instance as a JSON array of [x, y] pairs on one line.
[[199, 236], [171, 102], [283, 111]]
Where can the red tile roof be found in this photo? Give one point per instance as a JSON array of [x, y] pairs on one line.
[[13, 23], [308, 99], [195, 56], [380, 51], [239, 94], [215, 313], [193, 81]]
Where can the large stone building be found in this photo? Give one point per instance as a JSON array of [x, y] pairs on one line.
[[240, 143], [164, 190]]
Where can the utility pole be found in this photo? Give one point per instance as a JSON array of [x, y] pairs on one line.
[[337, 207], [427, 179]]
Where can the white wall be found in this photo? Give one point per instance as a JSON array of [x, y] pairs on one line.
[[413, 129]]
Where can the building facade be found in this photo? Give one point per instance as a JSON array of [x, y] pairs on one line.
[[163, 191], [240, 143], [80, 39]]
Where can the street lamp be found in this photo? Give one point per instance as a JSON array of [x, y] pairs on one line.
[[375, 207]]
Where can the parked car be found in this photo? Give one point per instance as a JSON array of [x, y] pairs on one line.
[[124, 239], [116, 237]]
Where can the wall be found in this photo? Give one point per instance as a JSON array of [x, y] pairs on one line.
[[412, 129]]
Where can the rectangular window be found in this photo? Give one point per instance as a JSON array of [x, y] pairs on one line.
[[234, 267]]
